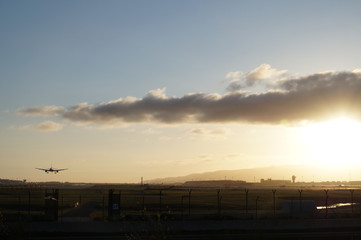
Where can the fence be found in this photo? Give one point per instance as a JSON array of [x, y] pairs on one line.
[[175, 203]]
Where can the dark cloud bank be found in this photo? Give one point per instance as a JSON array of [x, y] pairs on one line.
[[313, 97]]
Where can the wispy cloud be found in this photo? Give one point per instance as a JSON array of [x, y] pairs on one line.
[[312, 97], [210, 133], [42, 111], [48, 126]]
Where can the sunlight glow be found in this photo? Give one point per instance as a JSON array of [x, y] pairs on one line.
[[335, 142]]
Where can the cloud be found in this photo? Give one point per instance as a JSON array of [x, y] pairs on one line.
[[234, 80], [259, 75], [157, 93], [312, 97], [264, 71], [48, 126], [42, 111], [234, 76], [209, 132]]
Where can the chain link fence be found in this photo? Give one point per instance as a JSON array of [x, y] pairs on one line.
[[139, 202]]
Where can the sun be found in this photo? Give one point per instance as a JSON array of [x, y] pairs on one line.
[[335, 142]]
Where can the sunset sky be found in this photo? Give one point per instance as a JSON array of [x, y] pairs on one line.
[[117, 90]]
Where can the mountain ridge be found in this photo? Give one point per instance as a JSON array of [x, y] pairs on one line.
[[246, 174]]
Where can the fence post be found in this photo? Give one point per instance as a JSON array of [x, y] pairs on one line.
[[326, 203], [110, 203], [160, 202], [103, 205], [189, 201], [62, 206], [352, 191], [219, 202], [120, 204], [182, 205], [19, 205], [29, 204], [143, 203], [300, 193], [274, 202], [246, 191], [257, 206]]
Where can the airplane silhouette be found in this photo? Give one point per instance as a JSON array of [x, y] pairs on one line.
[[51, 169]]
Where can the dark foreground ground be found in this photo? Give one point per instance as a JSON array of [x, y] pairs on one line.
[[192, 229]]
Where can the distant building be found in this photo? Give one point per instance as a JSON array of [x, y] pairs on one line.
[[354, 183], [271, 182], [11, 182]]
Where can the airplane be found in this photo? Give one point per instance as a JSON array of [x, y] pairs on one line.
[[51, 169]]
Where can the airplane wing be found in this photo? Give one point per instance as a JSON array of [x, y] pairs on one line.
[[43, 169], [62, 169]]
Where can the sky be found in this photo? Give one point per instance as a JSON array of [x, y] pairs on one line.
[[119, 90]]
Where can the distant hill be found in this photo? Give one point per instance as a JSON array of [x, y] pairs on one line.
[[302, 173]]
